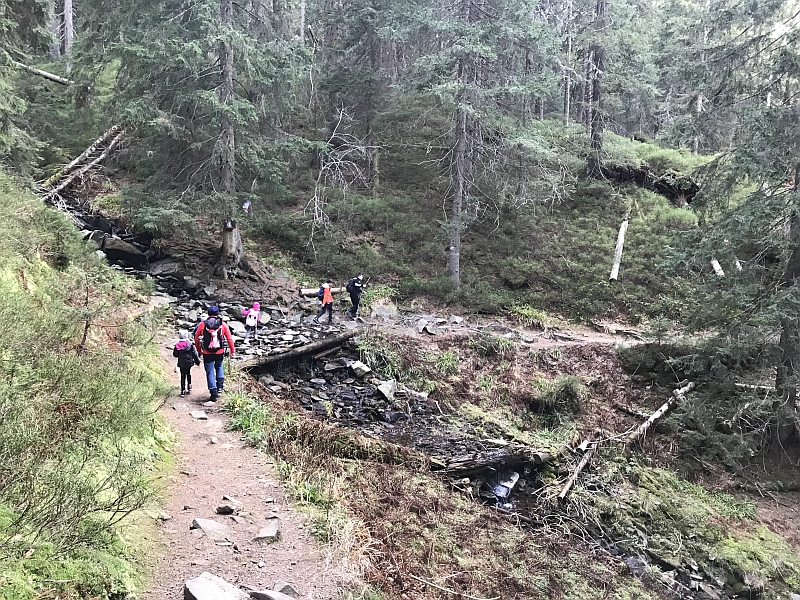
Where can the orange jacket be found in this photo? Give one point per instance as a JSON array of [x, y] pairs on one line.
[[198, 339], [327, 295]]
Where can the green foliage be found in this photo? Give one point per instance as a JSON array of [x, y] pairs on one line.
[[528, 316], [248, 415], [77, 436], [563, 394], [380, 354], [492, 346], [447, 363]]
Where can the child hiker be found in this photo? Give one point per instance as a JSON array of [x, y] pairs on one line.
[[252, 316], [187, 356]]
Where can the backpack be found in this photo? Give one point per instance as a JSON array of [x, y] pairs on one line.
[[320, 292], [212, 336], [252, 319], [351, 286]]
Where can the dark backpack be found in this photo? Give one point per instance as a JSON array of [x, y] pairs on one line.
[[212, 334], [351, 285], [320, 292]]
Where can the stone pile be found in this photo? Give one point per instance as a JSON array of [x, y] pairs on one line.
[[276, 333]]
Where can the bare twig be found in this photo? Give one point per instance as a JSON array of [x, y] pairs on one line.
[[449, 591]]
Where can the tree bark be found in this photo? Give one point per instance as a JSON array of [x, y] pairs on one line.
[[85, 169], [45, 74], [786, 377], [69, 28], [227, 139], [677, 396], [594, 163], [618, 251], [323, 344], [54, 27]]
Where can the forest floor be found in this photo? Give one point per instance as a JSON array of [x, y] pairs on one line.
[[211, 464]]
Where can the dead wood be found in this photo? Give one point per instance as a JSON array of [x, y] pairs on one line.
[[323, 344], [491, 460], [562, 496], [664, 410], [83, 155], [66, 182], [45, 74]]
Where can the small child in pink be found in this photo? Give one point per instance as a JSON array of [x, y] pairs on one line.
[[252, 317]]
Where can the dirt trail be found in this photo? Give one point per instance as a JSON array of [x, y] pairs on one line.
[[211, 463]]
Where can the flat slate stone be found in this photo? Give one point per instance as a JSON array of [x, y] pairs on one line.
[[210, 587], [216, 531], [285, 588], [199, 415], [271, 533]]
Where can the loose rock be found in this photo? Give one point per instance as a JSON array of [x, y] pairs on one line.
[[271, 533], [210, 587]]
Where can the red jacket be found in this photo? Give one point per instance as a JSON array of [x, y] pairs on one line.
[[198, 338], [327, 295]]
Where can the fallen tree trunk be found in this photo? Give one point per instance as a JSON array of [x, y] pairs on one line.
[[618, 251], [312, 292], [45, 74], [85, 169], [323, 344], [83, 155], [464, 466], [562, 495], [663, 411]]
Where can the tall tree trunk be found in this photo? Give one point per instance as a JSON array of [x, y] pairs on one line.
[[54, 27], [460, 169], [231, 253], [586, 89], [302, 20], [69, 28], [567, 74], [594, 163]]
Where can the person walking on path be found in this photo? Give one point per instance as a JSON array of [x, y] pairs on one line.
[[208, 339], [252, 317], [355, 287], [187, 357], [327, 302]]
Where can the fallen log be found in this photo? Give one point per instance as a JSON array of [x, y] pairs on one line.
[[83, 155], [491, 460], [45, 74], [85, 169], [618, 250], [323, 344], [562, 495], [664, 410], [312, 292]]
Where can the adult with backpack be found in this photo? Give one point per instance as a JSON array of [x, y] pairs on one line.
[[355, 287], [325, 296], [208, 339]]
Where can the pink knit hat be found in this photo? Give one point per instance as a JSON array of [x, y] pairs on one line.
[[256, 306]]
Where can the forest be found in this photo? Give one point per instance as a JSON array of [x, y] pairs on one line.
[[595, 168]]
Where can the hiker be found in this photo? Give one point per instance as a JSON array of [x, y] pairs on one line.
[[208, 339], [187, 357], [252, 317], [354, 287], [326, 297]]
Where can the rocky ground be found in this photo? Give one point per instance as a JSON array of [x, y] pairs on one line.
[[226, 513]]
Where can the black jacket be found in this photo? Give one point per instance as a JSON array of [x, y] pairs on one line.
[[186, 356]]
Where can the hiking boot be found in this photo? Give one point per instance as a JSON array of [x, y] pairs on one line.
[[183, 393], [190, 387], [316, 321]]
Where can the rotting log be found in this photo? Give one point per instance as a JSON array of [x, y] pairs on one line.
[[323, 344], [85, 169], [562, 495], [500, 458], [83, 155], [312, 292], [664, 410], [618, 251], [45, 74]]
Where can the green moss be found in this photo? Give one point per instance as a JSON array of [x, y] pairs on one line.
[[760, 552]]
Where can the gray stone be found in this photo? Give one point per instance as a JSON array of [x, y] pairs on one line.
[[383, 311], [331, 366], [210, 587], [455, 320], [226, 509], [117, 250], [192, 316], [166, 266], [285, 588], [388, 389], [359, 368], [97, 237], [269, 595], [237, 328], [317, 381], [350, 324], [433, 329], [271, 533], [199, 415], [215, 531], [210, 290]]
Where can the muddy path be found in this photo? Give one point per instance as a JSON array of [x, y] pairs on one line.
[[216, 471]]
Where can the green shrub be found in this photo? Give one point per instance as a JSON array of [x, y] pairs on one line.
[[563, 394], [489, 345], [447, 363]]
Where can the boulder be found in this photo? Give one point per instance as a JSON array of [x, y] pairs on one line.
[[210, 587], [359, 368], [97, 237], [383, 311], [215, 531], [388, 389], [117, 250], [271, 533], [237, 328], [165, 267]]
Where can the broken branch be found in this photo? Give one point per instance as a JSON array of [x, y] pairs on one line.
[[663, 410], [323, 344], [45, 74], [574, 476], [83, 155], [83, 170]]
